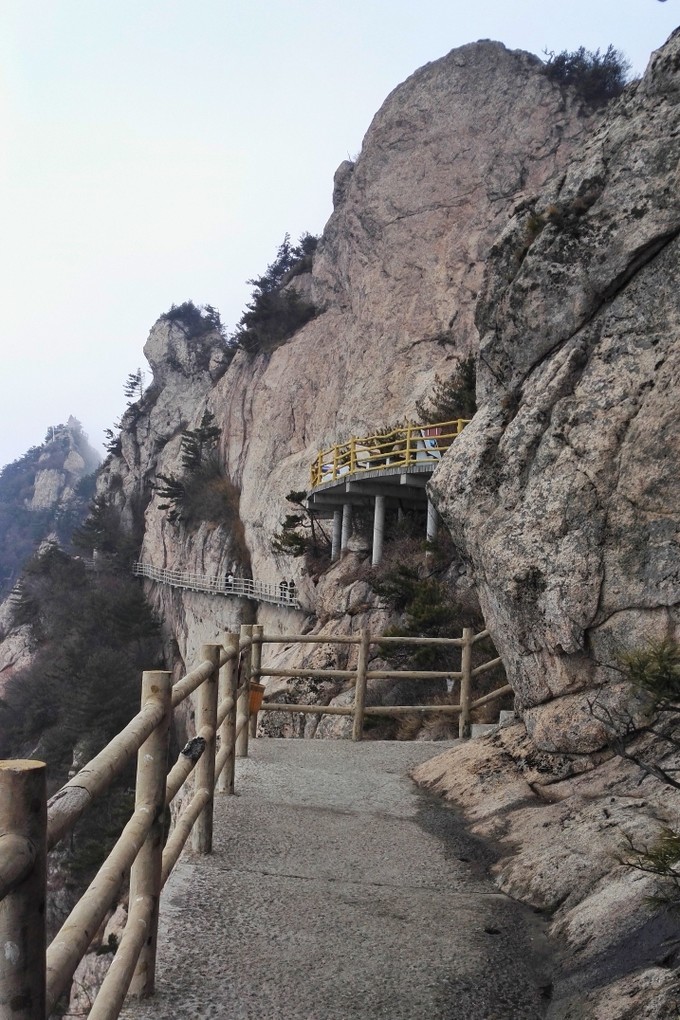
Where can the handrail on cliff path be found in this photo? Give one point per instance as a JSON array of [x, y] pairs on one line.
[[239, 587], [399, 447], [33, 977]]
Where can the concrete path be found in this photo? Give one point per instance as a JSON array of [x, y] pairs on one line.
[[338, 891]]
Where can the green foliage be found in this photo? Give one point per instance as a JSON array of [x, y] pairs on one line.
[[301, 533], [198, 445], [655, 669], [174, 491], [418, 589], [204, 495], [451, 398], [653, 673], [134, 386], [428, 610], [290, 261], [274, 314], [204, 492], [113, 443], [101, 531], [195, 320], [94, 633], [661, 859], [597, 77]]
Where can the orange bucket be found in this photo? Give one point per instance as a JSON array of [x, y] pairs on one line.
[[256, 696]]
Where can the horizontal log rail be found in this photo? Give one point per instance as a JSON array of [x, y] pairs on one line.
[[361, 675], [400, 447], [283, 706], [29, 826]]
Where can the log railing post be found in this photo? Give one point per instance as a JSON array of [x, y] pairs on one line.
[[145, 876], [352, 455], [23, 855], [206, 717], [465, 683], [360, 686], [407, 452], [256, 665], [243, 704], [227, 689]]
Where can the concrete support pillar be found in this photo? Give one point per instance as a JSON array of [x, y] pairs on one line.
[[432, 522], [346, 526], [337, 535], [378, 529]]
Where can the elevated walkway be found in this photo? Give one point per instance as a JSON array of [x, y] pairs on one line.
[[279, 594], [389, 470], [337, 891]]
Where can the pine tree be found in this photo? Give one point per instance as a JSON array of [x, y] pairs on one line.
[[134, 386]]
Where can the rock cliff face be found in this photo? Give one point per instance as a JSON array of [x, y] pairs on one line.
[[561, 843], [64, 460], [396, 275], [563, 492], [41, 499]]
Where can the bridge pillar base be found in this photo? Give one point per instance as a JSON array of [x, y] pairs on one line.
[[336, 542], [432, 522], [378, 530], [346, 528]]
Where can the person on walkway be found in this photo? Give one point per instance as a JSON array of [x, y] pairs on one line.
[[291, 590], [229, 582], [283, 591]]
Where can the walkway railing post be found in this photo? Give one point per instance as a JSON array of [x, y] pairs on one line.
[[145, 876], [360, 687], [243, 710], [227, 689], [256, 666], [206, 718], [465, 683], [23, 855]]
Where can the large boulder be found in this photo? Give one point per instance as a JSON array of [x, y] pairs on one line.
[[564, 492]]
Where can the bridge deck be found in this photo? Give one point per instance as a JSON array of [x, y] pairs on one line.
[[337, 891]]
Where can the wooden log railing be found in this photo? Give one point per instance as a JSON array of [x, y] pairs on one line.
[[396, 448], [33, 977], [361, 675]]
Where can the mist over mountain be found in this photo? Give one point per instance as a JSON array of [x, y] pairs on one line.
[[44, 495]]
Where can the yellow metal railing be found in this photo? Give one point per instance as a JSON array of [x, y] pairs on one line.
[[412, 444]]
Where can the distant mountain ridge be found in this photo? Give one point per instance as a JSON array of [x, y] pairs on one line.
[[43, 495]]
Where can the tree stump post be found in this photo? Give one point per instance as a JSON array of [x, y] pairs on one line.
[[464, 727], [152, 772], [360, 686], [227, 689], [206, 717], [23, 868], [243, 710]]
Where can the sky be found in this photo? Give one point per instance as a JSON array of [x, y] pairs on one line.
[[155, 151]]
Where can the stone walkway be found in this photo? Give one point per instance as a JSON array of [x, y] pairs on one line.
[[337, 891]]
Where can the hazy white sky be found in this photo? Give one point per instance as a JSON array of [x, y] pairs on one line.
[[158, 150]]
